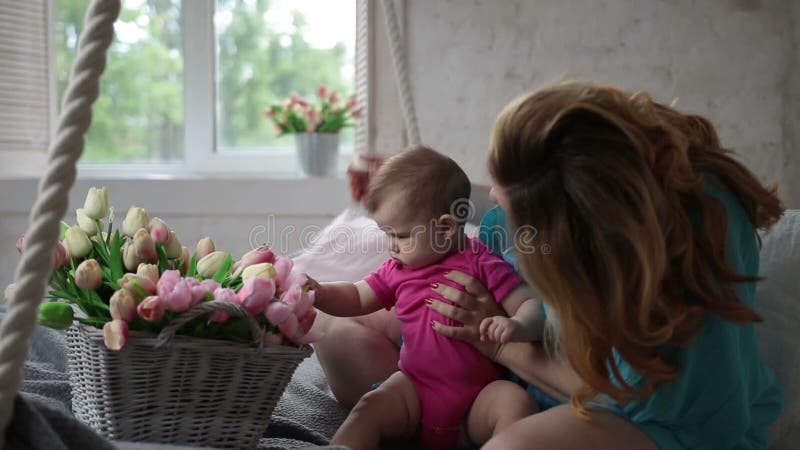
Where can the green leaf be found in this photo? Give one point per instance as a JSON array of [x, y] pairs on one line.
[[93, 321], [162, 258], [115, 258], [64, 228], [192, 267], [224, 270]]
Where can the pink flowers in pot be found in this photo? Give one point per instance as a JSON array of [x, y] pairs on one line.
[[328, 114]]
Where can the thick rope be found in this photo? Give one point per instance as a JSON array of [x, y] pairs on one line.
[[399, 57], [35, 266]]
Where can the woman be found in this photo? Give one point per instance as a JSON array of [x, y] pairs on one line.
[[649, 276]]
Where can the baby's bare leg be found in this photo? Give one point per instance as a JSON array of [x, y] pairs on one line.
[[498, 405], [390, 412], [357, 352]]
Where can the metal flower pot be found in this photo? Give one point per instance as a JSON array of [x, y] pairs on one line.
[[317, 153]]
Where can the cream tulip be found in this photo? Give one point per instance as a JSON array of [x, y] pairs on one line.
[[263, 270], [172, 247], [136, 219], [86, 223], [77, 242], [211, 263], [96, 204]]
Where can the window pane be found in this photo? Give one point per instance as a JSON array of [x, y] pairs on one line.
[[139, 114], [267, 49]]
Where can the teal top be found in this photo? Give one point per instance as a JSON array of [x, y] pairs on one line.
[[724, 396]]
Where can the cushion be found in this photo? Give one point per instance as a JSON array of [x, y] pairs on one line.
[[778, 302]]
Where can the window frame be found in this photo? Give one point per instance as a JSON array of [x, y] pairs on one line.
[[202, 157]]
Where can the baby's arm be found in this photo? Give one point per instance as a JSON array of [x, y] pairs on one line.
[[345, 299], [526, 321]]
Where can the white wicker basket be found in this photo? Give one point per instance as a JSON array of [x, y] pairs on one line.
[[194, 391]]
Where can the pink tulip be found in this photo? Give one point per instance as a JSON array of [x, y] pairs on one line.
[[88, 274], [60, 255], [352, 103], [322, 92], [299, 300], [297, 100], [167, 282], [152, 308], [209, 286], [294, 315], [115, 334], [289, 326], [258, 255], [145, 246], [159, 231], [277, 312], [306, 334], [283, 268], [334, 98], [180, 299], [201, 289], [256, 294], [224, 295], [123, 305], [313, 119], [306, 320]]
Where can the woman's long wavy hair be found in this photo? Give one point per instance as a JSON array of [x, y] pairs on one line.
[[614, 183]]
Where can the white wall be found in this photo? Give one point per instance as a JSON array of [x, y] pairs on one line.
[[734, 61]]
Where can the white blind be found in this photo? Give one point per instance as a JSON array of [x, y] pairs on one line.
[[24, 76], [363, 10]]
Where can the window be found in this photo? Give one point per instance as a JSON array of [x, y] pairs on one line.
[[139, 114], [187, 82]]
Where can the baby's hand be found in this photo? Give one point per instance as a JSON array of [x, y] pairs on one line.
[[499, 329]]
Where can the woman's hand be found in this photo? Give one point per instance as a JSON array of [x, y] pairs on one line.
[[471, 306]]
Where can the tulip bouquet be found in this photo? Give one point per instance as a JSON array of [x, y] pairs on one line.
[[328, 114], [139, 277]]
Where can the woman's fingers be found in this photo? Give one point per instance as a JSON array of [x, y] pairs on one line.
[[460, 333], [469, 334], [456, 296], [471, 284], [451, 311]]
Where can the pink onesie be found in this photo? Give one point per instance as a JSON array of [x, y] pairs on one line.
[[447, 374]]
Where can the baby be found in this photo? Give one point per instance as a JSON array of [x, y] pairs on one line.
[[411, 199]]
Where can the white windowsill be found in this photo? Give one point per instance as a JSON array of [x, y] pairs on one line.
[[196, 196]]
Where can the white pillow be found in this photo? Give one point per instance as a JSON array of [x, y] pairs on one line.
[[348, 249], [778, 302]]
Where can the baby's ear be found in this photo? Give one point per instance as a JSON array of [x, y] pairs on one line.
[[448, 222]]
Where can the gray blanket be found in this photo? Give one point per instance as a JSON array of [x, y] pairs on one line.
[[306, 416]]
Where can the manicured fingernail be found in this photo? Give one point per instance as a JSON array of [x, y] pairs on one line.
[[434, 285], [428, 301], [446, 272]]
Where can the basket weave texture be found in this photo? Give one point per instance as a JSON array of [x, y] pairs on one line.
[[195, 391]]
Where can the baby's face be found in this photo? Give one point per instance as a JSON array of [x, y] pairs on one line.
[[412, 242]]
